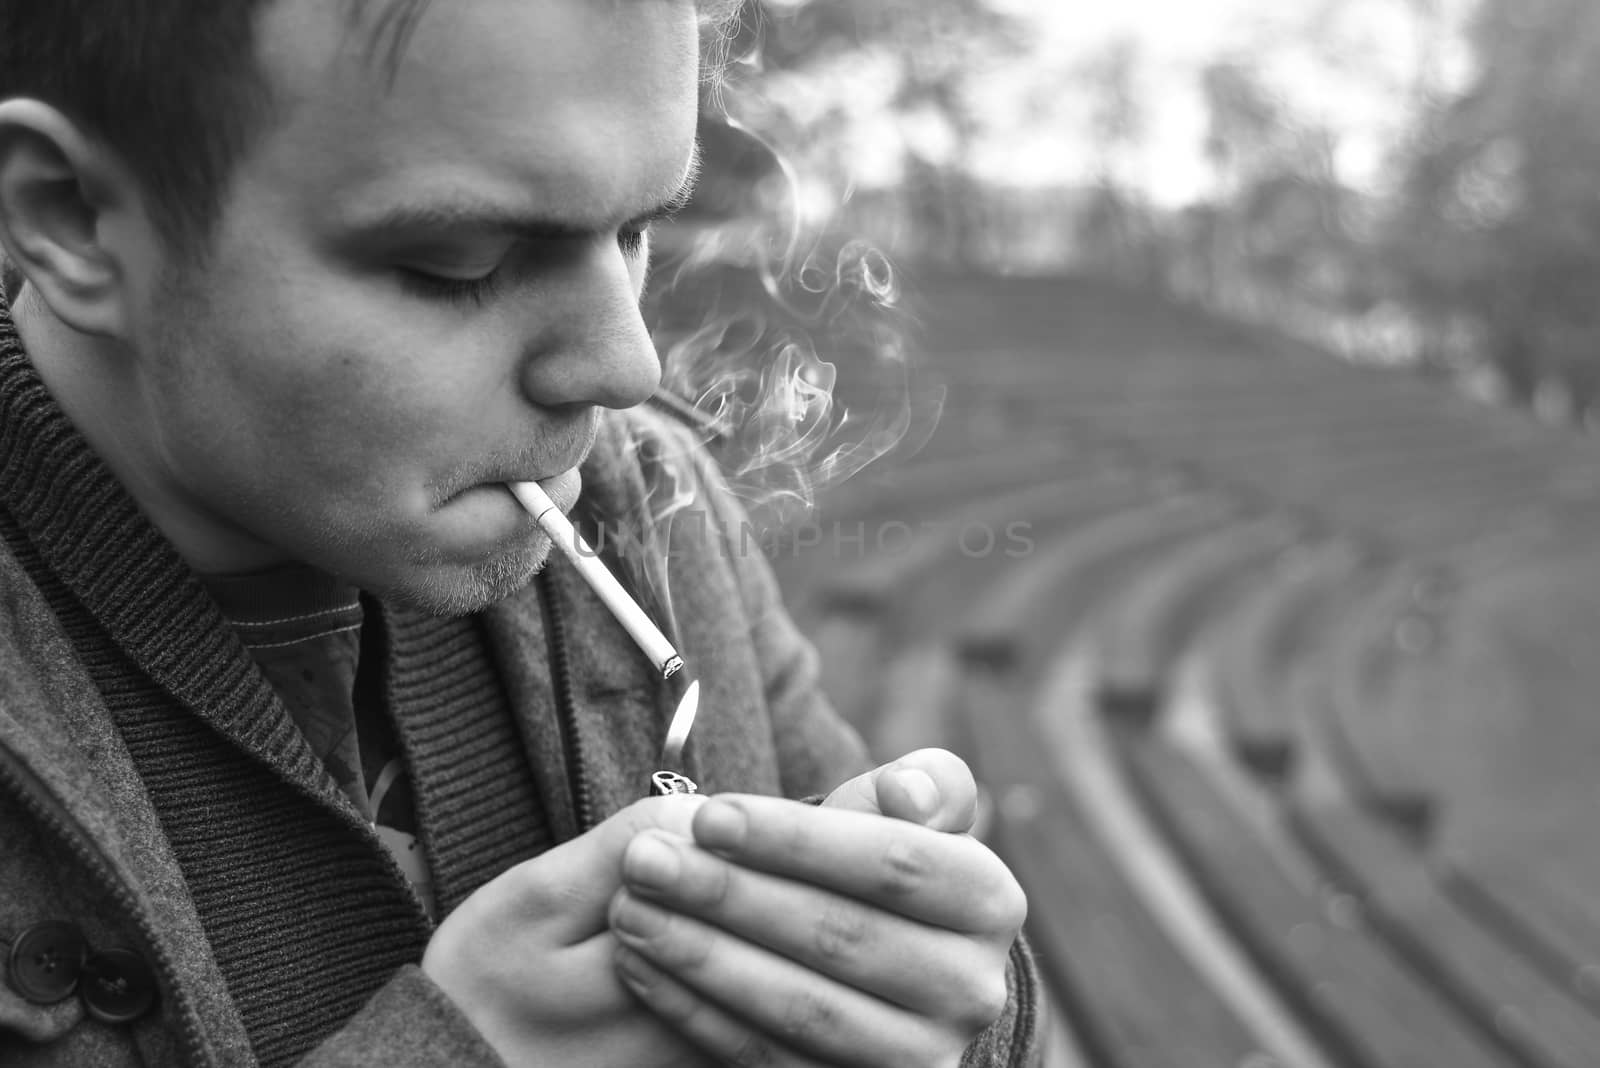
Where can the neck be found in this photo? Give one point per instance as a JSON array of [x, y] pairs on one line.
[[96, 382], [88, 376]]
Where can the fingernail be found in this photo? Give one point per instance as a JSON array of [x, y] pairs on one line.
[[920, 789], [719, 825], [651, 863]]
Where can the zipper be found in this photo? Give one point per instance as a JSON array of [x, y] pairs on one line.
[[555, 630], [34, 796]]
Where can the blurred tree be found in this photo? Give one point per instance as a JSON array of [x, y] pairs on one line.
[[1117, 229], [1497, 232], [1306, 117], [845, 83], [1279, 229], [1248, 131], [782, 328]]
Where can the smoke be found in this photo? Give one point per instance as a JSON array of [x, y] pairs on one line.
[[788, 341], [784, 344], [803, 382]]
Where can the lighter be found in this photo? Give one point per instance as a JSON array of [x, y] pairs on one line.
[[667, 781], [663, 783], [645, 633]]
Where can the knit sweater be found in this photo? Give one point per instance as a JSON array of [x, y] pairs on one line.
[[153, 792], [252, 815]]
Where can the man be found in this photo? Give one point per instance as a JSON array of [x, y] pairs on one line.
[[297, 765]]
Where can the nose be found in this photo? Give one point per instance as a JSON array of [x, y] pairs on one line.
[[596, 349]]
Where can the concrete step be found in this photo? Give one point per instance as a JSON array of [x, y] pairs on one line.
[[1368, 1007], [1252, 650], [1328, 768], [968, 527], [1363, 730], [1139, 636], [863, 614], [1484, 974], [1555, 920], [1002, 633], [1133, 998], [931, 486]]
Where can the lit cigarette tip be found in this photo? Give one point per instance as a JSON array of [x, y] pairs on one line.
[[639, 626]]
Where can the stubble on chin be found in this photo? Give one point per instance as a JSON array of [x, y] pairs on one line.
[[466, 590]]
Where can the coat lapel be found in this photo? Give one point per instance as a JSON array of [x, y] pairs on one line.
[[54, 723], [616, 718]]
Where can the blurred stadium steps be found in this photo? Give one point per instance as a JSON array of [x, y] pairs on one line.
[[871, 608], [1248, 653], [1402, 898], [1202, 693], [1133, 994]]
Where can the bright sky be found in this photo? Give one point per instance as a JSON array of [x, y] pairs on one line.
[[1352, 67], [1351, 71]]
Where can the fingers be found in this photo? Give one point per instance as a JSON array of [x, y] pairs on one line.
[[750, 1006], [932, 787], [954, 787], [927, 970], [523, 996], [571, 885], [719, 1033], [946, 880]]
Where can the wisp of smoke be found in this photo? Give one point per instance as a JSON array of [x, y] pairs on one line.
[[788, 343]]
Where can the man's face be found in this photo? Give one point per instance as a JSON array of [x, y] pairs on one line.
[[420, 290]]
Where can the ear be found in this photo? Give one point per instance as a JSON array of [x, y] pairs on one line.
[[66, 205]]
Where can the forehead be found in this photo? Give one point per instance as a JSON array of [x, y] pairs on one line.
[[582, 109]]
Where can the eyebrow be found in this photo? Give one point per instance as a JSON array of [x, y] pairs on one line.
[[482, 214]]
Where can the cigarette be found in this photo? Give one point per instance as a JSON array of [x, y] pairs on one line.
[[645, 634]]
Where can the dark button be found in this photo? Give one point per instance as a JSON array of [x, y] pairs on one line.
[[118, 986], [46, 961]]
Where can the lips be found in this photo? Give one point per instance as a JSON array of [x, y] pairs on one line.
[[533, 465], [562, 488], [540, 465], [565, 449]]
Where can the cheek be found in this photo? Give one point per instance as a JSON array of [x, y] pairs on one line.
[[279, 409], [341, 377], [341, 365]]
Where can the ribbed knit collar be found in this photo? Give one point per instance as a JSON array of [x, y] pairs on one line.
[[126, 574], [92, 534]]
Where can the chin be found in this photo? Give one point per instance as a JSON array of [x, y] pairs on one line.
[[461, 590]]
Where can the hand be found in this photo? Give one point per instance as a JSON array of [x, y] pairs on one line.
[[933, 787], [791, 935], [529, 956]]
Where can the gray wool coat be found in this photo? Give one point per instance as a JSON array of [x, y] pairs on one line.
[[79, 839]]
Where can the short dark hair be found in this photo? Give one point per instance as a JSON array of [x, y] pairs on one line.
[[173, 86]]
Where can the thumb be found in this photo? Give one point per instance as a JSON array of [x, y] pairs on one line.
[[931, 787], [584, 873]]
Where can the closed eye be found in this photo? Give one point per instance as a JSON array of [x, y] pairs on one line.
[[475, 291]]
